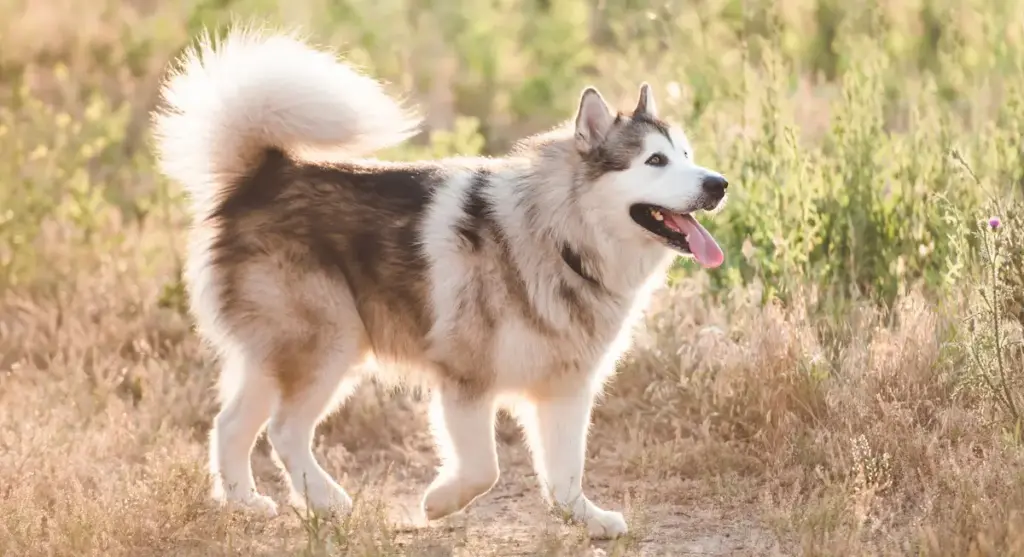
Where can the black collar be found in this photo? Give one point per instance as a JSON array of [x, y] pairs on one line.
[[575, 262]]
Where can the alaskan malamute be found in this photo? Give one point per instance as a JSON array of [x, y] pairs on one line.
[[507, 282]]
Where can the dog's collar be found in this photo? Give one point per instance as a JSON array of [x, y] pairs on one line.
[[575, 262]]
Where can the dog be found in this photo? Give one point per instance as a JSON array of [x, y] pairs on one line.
[[509, 283]]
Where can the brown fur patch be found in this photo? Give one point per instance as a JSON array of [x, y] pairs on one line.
[[355, 223], [291, 364], [579, 312]]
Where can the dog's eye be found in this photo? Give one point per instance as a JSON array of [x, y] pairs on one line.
[[657, 159]]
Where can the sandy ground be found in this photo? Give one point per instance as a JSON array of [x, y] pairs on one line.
[[512, 519]]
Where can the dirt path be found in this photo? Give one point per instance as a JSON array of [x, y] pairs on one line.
[[511, 521]]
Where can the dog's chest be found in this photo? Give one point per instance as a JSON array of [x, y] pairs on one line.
[[524, 355]]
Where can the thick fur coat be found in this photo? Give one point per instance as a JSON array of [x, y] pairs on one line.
[[508, 282]]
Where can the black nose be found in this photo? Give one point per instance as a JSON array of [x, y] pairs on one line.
[[715, 185]]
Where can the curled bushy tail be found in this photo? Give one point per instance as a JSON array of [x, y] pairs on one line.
[[227, 103]]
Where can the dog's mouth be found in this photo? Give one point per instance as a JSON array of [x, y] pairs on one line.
[[679, 231]]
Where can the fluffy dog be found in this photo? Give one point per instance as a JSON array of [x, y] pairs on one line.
[[509, 282]]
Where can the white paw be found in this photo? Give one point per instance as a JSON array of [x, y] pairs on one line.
[[251, 502], [261, 504], [329, 500], [605, 524], [449, 494]]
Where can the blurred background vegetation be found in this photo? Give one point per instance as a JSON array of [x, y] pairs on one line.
[[836, 122], [867, 145]]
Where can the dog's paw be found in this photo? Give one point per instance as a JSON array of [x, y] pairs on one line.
[[330, 500], [261, 504], [603, 524], [251, 502], [450, 494]]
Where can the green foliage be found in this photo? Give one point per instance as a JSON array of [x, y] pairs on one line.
[[463, 139], [835, 122], [993, 332], [60, 162]]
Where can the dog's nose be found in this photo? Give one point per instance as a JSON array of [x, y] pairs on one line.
[[715, 185]]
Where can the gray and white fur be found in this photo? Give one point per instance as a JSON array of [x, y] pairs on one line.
[[509, 282]]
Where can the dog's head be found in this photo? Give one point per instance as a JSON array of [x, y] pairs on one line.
[[639, 177]]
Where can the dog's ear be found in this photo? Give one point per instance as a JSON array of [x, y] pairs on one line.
[[645, 104], [593, 120]]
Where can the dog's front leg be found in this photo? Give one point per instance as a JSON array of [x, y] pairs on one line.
[[463, 426], [556, 428]]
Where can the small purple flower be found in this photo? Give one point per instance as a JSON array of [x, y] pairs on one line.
[[994, 223]]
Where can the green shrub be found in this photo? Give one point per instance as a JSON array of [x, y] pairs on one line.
[[834, 122]]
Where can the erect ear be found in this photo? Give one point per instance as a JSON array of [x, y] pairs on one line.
[[645, 104], [593, 120]]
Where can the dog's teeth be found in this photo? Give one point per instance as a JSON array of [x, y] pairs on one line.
[[657, 215]]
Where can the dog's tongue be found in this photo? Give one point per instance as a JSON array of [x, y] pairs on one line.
[[703, 247]]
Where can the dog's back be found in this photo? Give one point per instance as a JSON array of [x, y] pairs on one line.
[[344, 227]]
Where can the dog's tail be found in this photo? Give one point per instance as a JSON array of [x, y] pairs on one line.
[[227, 104]]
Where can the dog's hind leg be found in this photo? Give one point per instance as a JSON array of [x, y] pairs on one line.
[[556, 428], [463, 428], [247, 396], [309, 394]]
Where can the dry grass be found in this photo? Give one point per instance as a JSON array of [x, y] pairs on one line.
[[854, 444], [851, 445], [734, 427]]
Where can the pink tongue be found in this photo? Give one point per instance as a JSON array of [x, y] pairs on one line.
[[704, 248]]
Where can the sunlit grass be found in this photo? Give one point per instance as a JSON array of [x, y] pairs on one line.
[[850, 379]]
